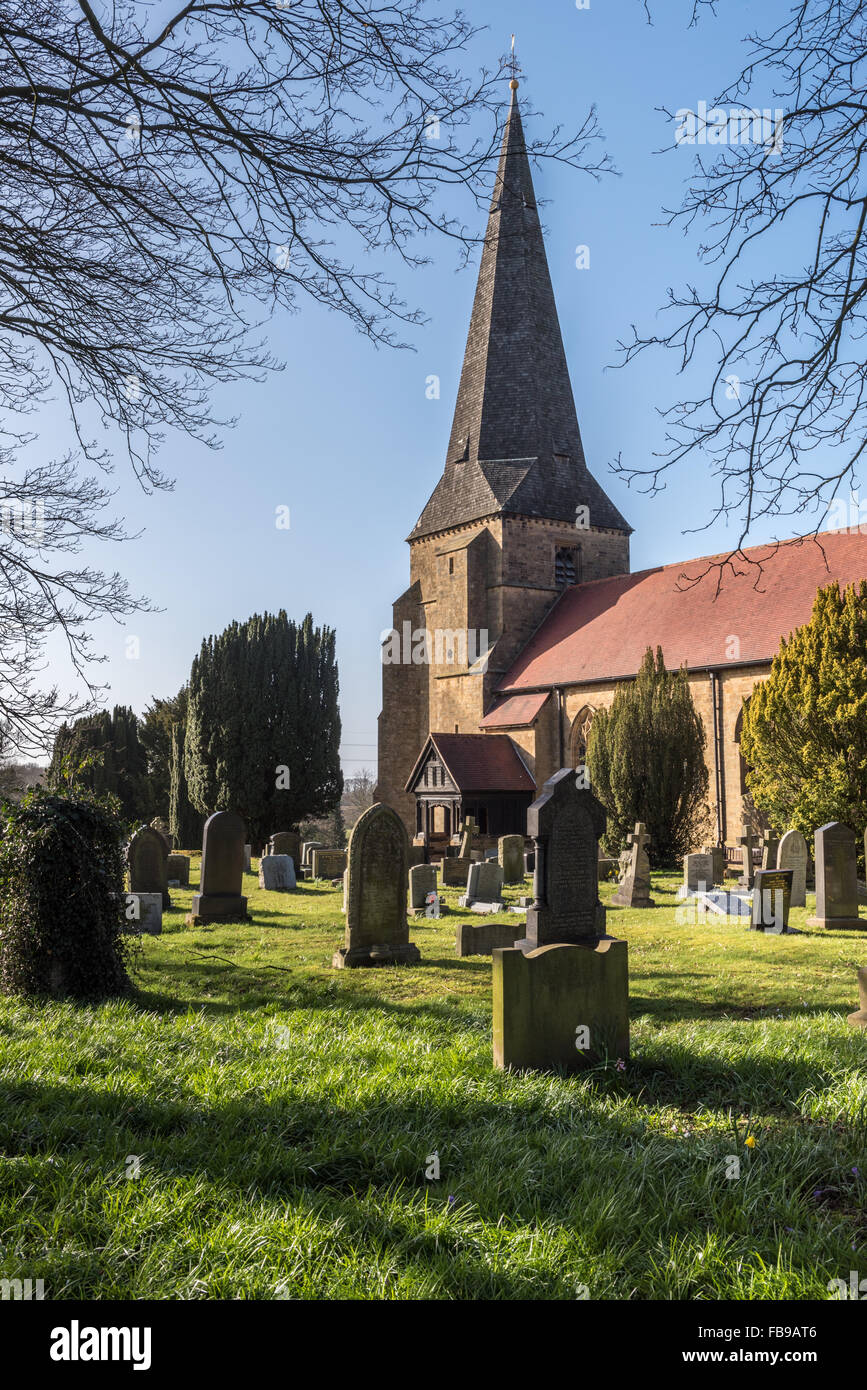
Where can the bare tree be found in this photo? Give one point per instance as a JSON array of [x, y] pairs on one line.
[[167, 183], [357, 795], [776, 336]]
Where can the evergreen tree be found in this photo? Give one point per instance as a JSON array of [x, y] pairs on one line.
[[645, 762], [263, 725], [155, 734], [185, 822], [102, 753], [805, 728]]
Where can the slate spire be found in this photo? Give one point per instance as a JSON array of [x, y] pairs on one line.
[[515, 444]]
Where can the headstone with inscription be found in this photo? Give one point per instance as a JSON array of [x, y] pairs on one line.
[[510, 855], [772, 897], [277, 873], [454, 872], [561, 994], [634, 887], [422, 881], [718, 856], [219, 898], [377, 929], [147, 857], [836, 878], [484, 886], [792, 854], [327, 863], [178, 867], [697, 874]]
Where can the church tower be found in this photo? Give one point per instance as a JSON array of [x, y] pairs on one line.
[[515, 518]]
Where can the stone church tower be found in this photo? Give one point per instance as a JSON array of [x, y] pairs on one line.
[[516, 516]]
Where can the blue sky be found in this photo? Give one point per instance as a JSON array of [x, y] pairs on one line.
[[346, 437]]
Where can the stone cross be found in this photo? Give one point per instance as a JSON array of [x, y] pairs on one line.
[[634, 887], [467, 837]]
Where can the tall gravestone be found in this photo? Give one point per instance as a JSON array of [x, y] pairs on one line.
[[770, 844], [836, 878], [147, 856], [422, 881], [634, 887], [792, 854], [510, 856], [561, 994], [747, 840], [377, 929], [219, 898], [718, 858]]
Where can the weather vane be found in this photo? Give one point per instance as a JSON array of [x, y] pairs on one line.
[[513, 65]]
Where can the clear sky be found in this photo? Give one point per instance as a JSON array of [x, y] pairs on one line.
[[346, 436]]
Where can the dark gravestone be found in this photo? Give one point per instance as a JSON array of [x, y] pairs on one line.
[[178, 866], [219, 898], [770, 844], [836, 878], [561, 995], [147, 857], [565, 824], [772, 898], [454, 872], [377, 930], [287, 842]]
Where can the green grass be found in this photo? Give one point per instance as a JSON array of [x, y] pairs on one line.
[[283, 1114]]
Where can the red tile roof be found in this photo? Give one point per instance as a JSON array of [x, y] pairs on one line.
[[515, 712], [480, 763], [601, 630]]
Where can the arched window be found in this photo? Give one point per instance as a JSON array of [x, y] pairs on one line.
[[578, 737]]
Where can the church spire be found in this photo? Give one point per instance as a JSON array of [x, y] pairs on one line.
[[515, 443]]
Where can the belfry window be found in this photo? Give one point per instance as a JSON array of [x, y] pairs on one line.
[[567, 566]]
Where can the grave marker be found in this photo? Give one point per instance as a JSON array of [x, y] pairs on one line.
[[510, 856], [634, 887], [219, 898], [792, 854], [377, 930], [836, 878], [147, 857]]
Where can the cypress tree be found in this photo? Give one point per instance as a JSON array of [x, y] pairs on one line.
[[263, 724], [645, 761], [101, 753], [805, 728], [185, 822]]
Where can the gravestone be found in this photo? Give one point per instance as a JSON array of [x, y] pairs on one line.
[[747, 840], [718, 855], [697, 874], [770, 844], [277, 872], [219, 898], [634, 887], [377, 930], [454, 872], [487, 937], [147, 858], [859, 1018], [529, 862], [162, 829], [178, 866], [836, 878], [510, 856], [248, 850], [792, 854], [328, 863], [561, 994], [484, 885], [287, 842], [468, 834], [772, 897], [422, 881], [144, 913], [307, 849]]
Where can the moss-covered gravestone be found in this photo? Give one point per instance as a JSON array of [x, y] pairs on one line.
[[147, 855], [219, 898], [377, 930], [561, 995]]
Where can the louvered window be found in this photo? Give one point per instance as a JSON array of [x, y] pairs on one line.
[[567, 566]]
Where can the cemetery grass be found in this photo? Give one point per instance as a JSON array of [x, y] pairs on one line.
[[281, 1115]]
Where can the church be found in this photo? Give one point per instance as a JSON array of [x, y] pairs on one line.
[[522, 615]]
